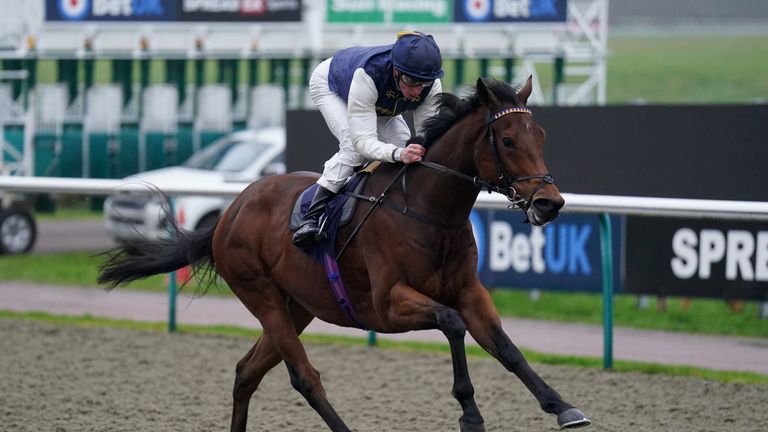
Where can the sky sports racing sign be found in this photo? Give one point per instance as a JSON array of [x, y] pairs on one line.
[[697, 258], [173, 10], [444, 11], [563, 256]]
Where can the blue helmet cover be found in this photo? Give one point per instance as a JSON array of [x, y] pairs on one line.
[[417, 55]]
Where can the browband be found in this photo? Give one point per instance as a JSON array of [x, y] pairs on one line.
[[506, 111]]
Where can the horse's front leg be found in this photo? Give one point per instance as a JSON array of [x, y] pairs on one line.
[[411, 310], [483, 323]]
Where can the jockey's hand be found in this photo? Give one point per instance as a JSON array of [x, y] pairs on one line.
[[412, 153]]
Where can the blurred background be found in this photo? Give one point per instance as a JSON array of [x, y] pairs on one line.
[[121, 87]]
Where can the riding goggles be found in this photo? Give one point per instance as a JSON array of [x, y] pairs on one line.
[[414, 82]]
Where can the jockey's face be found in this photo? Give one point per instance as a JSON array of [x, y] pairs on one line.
[[409, 87]]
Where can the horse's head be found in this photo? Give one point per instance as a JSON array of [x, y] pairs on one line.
[[513, 152]]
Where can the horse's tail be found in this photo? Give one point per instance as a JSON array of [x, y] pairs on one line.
[[142, 258]]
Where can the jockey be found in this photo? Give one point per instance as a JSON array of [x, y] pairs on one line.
[[362, 92]]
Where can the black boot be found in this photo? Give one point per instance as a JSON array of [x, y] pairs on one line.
[[309, 231]]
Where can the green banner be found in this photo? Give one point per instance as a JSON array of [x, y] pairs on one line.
[[389, 11]]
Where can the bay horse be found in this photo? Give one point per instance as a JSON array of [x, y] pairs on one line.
[[412, 269]]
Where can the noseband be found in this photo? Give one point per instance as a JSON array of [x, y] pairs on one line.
[[507, 189]]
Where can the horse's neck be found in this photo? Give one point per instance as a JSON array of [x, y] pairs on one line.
[[441, 195]]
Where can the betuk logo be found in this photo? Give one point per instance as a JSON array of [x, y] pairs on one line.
[[127, 8], [556, 249]]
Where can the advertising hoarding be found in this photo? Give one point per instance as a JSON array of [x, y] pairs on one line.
[[563, 256], [503, 11], [697, 258], [396, 11], [173, 10], [443, 11]]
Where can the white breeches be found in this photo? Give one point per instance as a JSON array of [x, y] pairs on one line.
[[341, 165]]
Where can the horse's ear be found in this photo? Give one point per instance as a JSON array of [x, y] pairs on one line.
[[485, 95], [525, 92]]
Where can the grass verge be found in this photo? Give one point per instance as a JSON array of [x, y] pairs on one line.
[[473, 351], [693, 316], [709, 316]]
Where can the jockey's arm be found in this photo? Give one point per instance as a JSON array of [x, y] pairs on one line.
[[428, 108], [361, 114]]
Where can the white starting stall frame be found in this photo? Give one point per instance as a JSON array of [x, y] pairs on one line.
[[601, 205], [50, 109], [214, 112], [267, 107], [160, 115]]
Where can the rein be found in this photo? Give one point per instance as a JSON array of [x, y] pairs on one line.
[[375, 203], [508, 189]]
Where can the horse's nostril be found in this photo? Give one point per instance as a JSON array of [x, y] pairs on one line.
[[547, 206]]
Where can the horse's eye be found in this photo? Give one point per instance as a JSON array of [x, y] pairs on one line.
[[508, 142]]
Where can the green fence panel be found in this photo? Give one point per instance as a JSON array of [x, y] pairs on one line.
[[103, 162], [104, 156], [129, 151], [161, 150], [46, 159], [185, 143], [46, 165], [71, 155]]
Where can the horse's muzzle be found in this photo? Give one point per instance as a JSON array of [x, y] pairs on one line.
[[544, 210]]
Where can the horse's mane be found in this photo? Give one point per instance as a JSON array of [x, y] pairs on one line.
[[452, 108]]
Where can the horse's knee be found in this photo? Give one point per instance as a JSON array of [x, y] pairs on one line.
[[451, 324]]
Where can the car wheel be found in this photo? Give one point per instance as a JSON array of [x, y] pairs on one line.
[[17, 231]]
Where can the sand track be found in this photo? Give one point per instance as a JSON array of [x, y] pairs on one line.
[[65, 379]]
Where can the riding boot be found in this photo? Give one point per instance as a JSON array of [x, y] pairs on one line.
[[309, 230]]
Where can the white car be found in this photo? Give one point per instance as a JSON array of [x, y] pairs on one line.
[[242, 156]]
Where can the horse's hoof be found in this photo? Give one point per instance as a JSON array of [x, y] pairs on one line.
[[572, 419], [471, 427]]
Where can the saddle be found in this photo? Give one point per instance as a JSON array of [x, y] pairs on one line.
[[338, 212]]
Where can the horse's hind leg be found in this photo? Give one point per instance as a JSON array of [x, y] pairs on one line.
[[484, 325], [269, 307], [306, 380], [248, 375], [254, 365]]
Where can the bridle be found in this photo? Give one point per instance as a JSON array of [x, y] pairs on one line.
[[507, 189]]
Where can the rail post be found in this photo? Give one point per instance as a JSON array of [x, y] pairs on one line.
[[606, 249], [172, 282]]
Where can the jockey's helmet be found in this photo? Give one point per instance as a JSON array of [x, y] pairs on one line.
[[417, 55]]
